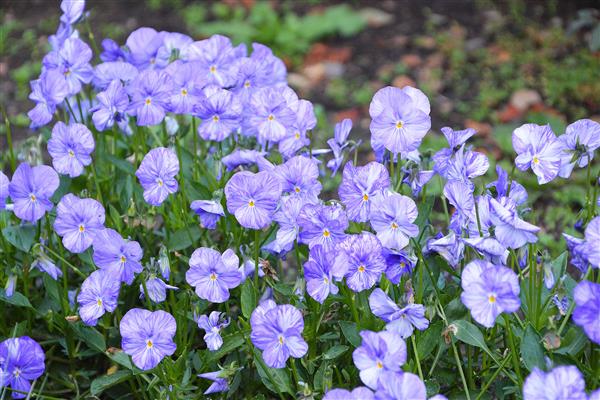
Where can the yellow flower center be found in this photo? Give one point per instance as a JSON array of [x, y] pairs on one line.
[[280, 339], [67, 72], [17, 372], [149, 343], [99, 302], [159, 182], [247, 84], [32, 197], [148, 101], [379, 365], [326, 233], [326, 280], [123, 259], [251, 203], [213, 277], [184, 92], [365, 197], [71, 153], [492, 299], [297, 135], [216, 118], [361, 268], [213, 69], [81, 228], [394, 225], [271, 117], [296, 189], [399, 125], [536, 160], [402, 265]]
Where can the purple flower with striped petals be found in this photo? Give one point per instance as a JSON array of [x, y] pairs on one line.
[[365, 262], [380, 353], [213, 274], [489, 290], [580, 141], [268, 116], [563, 382], [72, 60], [157, 173], [143, 44], [591, 247], [299, 176], [360, 185], [320, 271], [403, 321], [402, 386], [70, 147], [219, 384], [120, 258], [209, 212], [213, 324], [47, 92], [72, 10], [510, 230], [392, 217], [31, 189], [277, 331], [98, 295], [108, 72], [78, 222], [217, 59], [253, 198], [21, 361], [587, 309], [321, 224], [111, 106], [150, 93], [537, 148], [220, 112], [156, 288], [398, 264], [305, 121], [147, 336], [359, 393]]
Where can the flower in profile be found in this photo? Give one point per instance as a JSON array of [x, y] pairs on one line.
[[287, 218], [299, 176], [253, 198], [460, 196], [44, 263], [98, 295], [268, 116], [365, 262], [213, 324], [338, 144], [72, 61], [465, 165], [72, 10], [209, 212], [4, 183], [147, 336], [510, 230], [120, 258], [172, 46], [31, 189], [157, 289], [399, 320], [157, 173], [242, 157], [400, 118], [360, 186], [590, 248], [587, 309], [150, 93], [111, 51], [455, 140], [320, 271], [219, 384], [10, 286], [220, 112], [517, 192], [449, 247], [22, 360], [70, 147], [213, 274], [277, 331], [562, 382], [402, 386], [47, 92], [359, 393], [111, 106], [489, 290], [78, 222], [296, 138], [537, 148], [392, 217], [321, 224], [398, 264], [380, 353], [580, 141]]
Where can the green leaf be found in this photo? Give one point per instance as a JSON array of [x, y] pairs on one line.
[[102, 383], [284, 289], [17, 299], [121, 164], [90, 336], [121, 358], [230, 343], [248, 298], [573, 342], [20, 236], [429, 340], [350, 332], [424, 212], [323, 377], [184, 238], [468, 333], [335, 352], [531, 349], [276, 380]]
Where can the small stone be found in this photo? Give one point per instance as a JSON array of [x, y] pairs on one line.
[[522, 99], [403, 80], [375, 17], [411, 60]]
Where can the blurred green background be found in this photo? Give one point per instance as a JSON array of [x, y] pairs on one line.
[[484, 64]]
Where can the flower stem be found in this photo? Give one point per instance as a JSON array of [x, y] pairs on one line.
[[414, 346], [256, 254], [460, 370], [513, 349]]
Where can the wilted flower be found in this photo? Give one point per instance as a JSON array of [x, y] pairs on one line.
[[21, 361], [320, 271], [537, 148], [120, 258], [360, 186], [563, 382], [147, 336], [365, 262], [380, 353], [489, 290], [31, 190], [78, 222], [70, 147], [392, 217], [253, 198], [99, 294], [321, 224], [208, 211], [277, 331], [400, 118], [157, 174], [213, 274], [212, 325], [587, 309], [399, 320]]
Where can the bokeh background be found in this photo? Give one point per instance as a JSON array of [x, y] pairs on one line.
[[484, 64]]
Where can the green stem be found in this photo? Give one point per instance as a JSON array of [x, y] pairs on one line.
[[256, 261], [513, 349], [460, 370], [11, 153], [571, 306], [414, 346], [493, 378]]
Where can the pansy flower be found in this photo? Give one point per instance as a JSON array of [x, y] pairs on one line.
[[120, 258], [402, 386], [338, 144], [510, 230], [379, 353], [404, 320], [78, 222], [98, 295], [321, 271], [209, 212], [72, 60], [365, 262], [360, 185], [217, 59], [299, 176], [287, 218], [580, 141], [277, 331], [22, 360], [212, 325], [4, 183], [213, 274], [157, 174], [31, 189], [220, 112], [111, 106], [108, 72], [587, 309], [70, 147], [296, 139], [562, 382], [47, 92], [268, 116], [147, 336], [142, 45], [156, 289], [537, 148], [150, 93], [321, 224], [398, 264], [392, 217]]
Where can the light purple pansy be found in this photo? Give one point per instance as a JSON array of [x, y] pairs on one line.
[[47, 92], [299, 176], [157, 174], [4, 183], [72, 61], [287, 218], [321, 224], [213, 274], [156, 288], [393, 216], [108, 72], [22, 360], [401, 386], [562, 382], [150, 93], [268, 116], [70, 147], [365, 262], [213, 324], [580, 141], [121, 258], [537, 148], [360, 186], [99, 294], [111, 106], [510, 230], [379, 353], [209, 212], [147, 336], [321, 271], [404, 320], [587, 309], [220, 112], [78, 222], [31, 189]]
